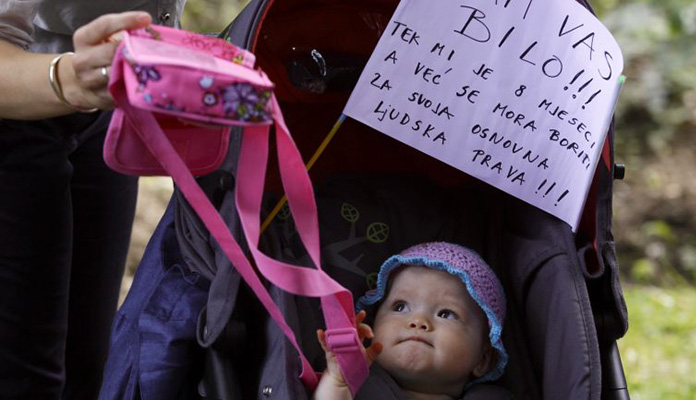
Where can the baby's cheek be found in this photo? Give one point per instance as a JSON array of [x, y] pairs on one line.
[[380, 331]]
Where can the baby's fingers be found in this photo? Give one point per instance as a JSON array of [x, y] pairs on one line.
[[360, 317], [365, 332], [321, 337], [372, 352]]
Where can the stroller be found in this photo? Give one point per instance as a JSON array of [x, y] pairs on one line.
[[191, 328]]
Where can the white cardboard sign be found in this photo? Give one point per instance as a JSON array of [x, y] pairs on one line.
[[517, 93]]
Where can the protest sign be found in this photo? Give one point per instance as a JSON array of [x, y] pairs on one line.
[[517, 93]]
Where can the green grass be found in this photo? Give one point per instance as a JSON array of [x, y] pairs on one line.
[[659, 350]]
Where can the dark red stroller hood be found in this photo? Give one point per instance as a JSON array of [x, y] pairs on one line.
[[271, 30]]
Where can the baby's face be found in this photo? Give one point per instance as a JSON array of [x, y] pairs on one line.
[[434, 334]]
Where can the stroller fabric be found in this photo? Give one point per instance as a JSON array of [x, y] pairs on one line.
[[382, 386], [547, 301], [152, 346]]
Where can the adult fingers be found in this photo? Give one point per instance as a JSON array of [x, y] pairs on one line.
[[103, 27], [104, 100], [88, 64]]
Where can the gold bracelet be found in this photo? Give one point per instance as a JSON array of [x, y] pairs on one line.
[[57, 88]]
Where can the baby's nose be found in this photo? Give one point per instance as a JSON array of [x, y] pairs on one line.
[[420, 323]]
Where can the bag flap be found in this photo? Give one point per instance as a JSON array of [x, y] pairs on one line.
[[159, 49]]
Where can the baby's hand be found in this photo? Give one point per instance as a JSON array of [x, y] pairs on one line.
[[371, 352]]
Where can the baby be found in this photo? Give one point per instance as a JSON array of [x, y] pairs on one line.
[[437, 328]]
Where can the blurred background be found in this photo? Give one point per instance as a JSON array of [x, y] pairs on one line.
[[654, 206]]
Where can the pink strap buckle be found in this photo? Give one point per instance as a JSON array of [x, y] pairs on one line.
[[345, 344], [342, 340]]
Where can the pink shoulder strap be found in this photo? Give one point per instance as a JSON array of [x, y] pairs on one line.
[[337, 303]]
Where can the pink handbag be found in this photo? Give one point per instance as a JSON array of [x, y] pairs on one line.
[[177, 94], [220, 89]]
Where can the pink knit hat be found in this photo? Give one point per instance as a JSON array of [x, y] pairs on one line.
[[480, 281]]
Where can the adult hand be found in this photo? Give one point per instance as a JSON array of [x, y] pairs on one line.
[[85, 84]]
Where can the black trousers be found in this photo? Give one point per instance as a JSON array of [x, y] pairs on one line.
[[65, 224]]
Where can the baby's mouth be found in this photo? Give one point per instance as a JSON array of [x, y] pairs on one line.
[[417, 339]]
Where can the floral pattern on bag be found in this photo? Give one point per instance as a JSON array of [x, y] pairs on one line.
[[242, 101], [145, 73]]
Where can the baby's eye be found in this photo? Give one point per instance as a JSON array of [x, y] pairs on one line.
[[399, 306], [447, 314]]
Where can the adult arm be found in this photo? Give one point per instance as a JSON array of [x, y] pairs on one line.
[[24, 84]]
